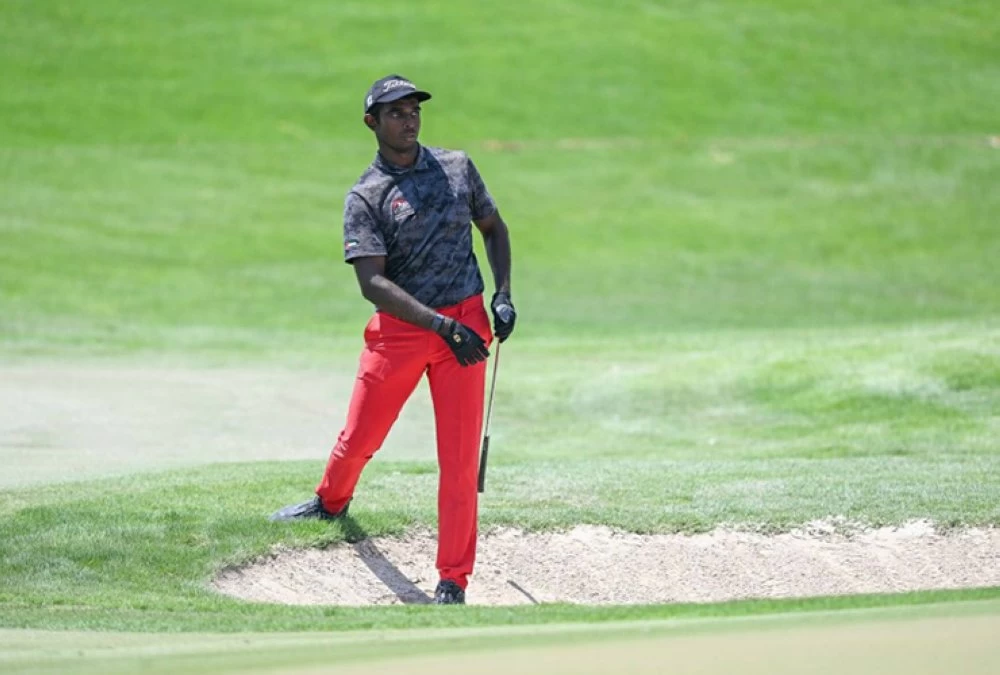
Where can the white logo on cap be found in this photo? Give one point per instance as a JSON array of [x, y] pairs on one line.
[[368, 101], [394, 84]]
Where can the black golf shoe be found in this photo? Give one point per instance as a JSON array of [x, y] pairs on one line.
[[448, 593], [311, 509]]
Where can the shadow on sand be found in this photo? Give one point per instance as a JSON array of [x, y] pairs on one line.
[[397, 582]]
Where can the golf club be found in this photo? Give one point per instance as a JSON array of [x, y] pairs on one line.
[[486, 427]]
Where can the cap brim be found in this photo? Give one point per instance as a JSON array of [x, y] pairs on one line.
[[397, 95]]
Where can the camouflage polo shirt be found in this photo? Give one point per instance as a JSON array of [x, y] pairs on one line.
[[419, 219]]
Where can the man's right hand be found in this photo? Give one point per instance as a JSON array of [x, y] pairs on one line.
[[464, 342]]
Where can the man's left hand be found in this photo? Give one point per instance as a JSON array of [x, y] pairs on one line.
[[503, 315]]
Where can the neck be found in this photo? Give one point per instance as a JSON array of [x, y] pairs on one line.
[[403, 160]]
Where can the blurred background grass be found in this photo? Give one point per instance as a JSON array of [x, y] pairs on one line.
[[172, 175]]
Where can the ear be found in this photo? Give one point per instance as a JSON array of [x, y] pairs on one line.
[[370, 121]]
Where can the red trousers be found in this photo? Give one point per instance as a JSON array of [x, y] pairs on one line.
[[396, 355]]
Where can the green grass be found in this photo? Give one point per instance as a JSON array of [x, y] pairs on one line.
[[171, 178], [908, 638], [137, 553], [755, 254], [100, 256]]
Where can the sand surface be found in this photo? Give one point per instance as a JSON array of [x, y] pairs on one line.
[[595, 565]]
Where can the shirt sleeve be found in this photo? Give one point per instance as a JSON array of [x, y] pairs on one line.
[[362, 235], [481, 202]]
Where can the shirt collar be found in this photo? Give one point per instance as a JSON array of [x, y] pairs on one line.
[[385, 166]]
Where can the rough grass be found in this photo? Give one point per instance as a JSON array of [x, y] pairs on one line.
[[136, 553]]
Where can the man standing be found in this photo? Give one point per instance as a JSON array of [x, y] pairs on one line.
[[407, 232]]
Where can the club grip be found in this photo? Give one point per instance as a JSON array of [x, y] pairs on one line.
[[482, 464]]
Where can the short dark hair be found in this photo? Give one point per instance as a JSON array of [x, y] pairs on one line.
[[376, 110]]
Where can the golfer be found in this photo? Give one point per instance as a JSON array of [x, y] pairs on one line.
[[407, 232]]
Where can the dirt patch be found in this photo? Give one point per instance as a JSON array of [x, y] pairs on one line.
[[596, 565]]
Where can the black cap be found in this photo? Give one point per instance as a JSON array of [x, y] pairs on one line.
[[392, 88]]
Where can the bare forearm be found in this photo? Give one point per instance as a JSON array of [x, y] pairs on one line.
[[497, 244], [390, 298]]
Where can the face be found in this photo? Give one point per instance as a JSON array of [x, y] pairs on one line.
[[398, 124]]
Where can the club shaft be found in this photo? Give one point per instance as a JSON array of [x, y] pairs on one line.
[[493, 388], [484, 454]]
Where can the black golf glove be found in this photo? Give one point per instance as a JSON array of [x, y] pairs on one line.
[[503, 315], [464, 342]]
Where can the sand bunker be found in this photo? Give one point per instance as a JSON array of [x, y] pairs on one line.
[[598, 566]]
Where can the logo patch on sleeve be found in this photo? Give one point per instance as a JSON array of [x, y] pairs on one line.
[[350, 245]]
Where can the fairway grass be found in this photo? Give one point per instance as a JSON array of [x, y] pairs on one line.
[[664, 167], [953, 637], [787, 233], [916, 402]]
